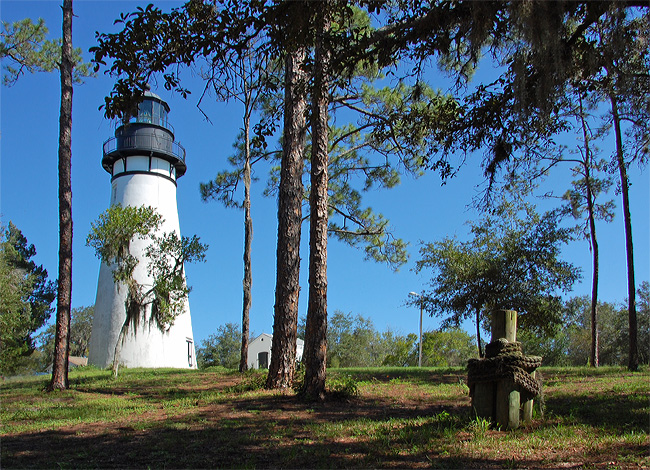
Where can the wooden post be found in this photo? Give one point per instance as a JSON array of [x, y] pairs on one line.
[[504, 325], [528, 407], [500, 401], [483, 400], [507, 404]]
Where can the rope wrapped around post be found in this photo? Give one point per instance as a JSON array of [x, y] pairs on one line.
[[505, 360]]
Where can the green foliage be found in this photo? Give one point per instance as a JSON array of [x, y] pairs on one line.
[[576, 198], [510, 263], [370, 230], [397, 129], [23, 47], [222, 348], [619, 70], [352, 341], [568, 344], [343, 387], [25, 298], [15, 317], [542, 50], [479, 427], [444, 348], [401, 350], [558, 346], [449, 348], [111, 236], [80, 328], [410, 122], [167, 256]]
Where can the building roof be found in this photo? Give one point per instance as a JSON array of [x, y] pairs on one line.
[[73, 361], [299, 342], [78, 361]]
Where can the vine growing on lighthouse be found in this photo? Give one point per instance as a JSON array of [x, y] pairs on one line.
[[165, 294]]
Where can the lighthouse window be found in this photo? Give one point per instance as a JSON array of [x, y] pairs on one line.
[[159, 114], [144, 111]]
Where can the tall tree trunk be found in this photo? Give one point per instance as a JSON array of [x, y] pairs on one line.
[[248, 237], [478, 332], [315, 353], [633, 358], [64, 293], [287, 287], [593, 359], [594, 351]]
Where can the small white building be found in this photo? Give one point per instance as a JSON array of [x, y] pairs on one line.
[[259, 351]]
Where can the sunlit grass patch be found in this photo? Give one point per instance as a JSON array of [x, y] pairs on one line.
[[554, 444], [612, 398], [68, 408]]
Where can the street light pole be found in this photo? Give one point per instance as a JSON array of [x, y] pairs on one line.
[[420, 345]]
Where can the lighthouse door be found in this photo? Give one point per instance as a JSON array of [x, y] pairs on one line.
[[190, 349], [263, 360]]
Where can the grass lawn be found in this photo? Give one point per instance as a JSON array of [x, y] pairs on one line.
[[399, 418]]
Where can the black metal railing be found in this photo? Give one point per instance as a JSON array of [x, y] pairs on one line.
[[145, 143]]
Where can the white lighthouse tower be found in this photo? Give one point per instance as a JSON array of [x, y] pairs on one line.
[[144, 162]]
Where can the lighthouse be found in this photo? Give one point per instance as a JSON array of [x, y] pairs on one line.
[[145, 162]]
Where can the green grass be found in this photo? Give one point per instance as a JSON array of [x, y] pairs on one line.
[[386, 417]]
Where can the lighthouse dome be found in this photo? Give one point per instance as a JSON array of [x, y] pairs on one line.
[[148, 133]]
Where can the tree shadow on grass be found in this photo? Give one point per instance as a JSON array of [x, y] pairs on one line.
[[615, 413], [186, 427], [414, 375], [269, 430]]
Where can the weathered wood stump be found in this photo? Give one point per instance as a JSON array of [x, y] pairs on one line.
[[527, 407], [505, 378], [504, 326]]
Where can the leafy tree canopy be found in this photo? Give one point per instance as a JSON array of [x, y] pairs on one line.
[[221, 348], [23, 48], [353, 341], [111, 236], [112, 233], [80, 328], [511, 262], [26, 300], [568, 344]]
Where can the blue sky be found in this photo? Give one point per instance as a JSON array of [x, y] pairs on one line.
[[419, 209]]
